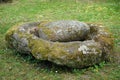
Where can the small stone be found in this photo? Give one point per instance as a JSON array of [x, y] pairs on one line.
[[10, 68], [56, 71]]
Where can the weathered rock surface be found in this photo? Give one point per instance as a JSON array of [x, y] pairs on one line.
[[66, 31], [71, 43]]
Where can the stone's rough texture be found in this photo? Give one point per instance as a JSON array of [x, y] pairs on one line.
[[71, 43], [67, 31], [18, 37], [72, 54]]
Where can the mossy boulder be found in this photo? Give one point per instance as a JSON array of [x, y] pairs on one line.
[[70, 43]]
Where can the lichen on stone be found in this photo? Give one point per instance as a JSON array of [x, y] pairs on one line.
[[70, 43]]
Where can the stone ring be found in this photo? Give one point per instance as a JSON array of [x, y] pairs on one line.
[[67, 42]]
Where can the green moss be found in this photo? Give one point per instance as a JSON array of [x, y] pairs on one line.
[[102, 35], [106, 41], [47, 31], [8, 36], [12, 30], [57, 51], [45, 48], [50, 34], [42, 23], [93, 27]]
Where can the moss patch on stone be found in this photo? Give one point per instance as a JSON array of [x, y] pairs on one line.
[[99, 44]]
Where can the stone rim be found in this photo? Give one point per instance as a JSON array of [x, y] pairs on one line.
[[104, 46]]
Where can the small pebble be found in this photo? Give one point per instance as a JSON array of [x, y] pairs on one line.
[[56, 71], [10, 68]]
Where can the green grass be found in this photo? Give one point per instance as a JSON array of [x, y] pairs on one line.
[[14, 66]]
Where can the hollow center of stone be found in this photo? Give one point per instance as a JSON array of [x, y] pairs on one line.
[[62, 31], [62, 37]]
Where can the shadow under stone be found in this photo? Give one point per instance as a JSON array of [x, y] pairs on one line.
[[5, 1]]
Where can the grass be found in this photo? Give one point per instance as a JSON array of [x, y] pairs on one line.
[[14, 66]]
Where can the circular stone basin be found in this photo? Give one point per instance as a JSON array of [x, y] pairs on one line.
[[70, 43]]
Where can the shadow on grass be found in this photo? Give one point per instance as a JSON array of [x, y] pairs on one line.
[[6, 1], [44, 65], [47, 66]]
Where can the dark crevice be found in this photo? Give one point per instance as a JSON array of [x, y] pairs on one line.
[[36, 33], [5, 1]]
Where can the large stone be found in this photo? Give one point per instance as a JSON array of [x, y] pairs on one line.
[[70, 43]]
